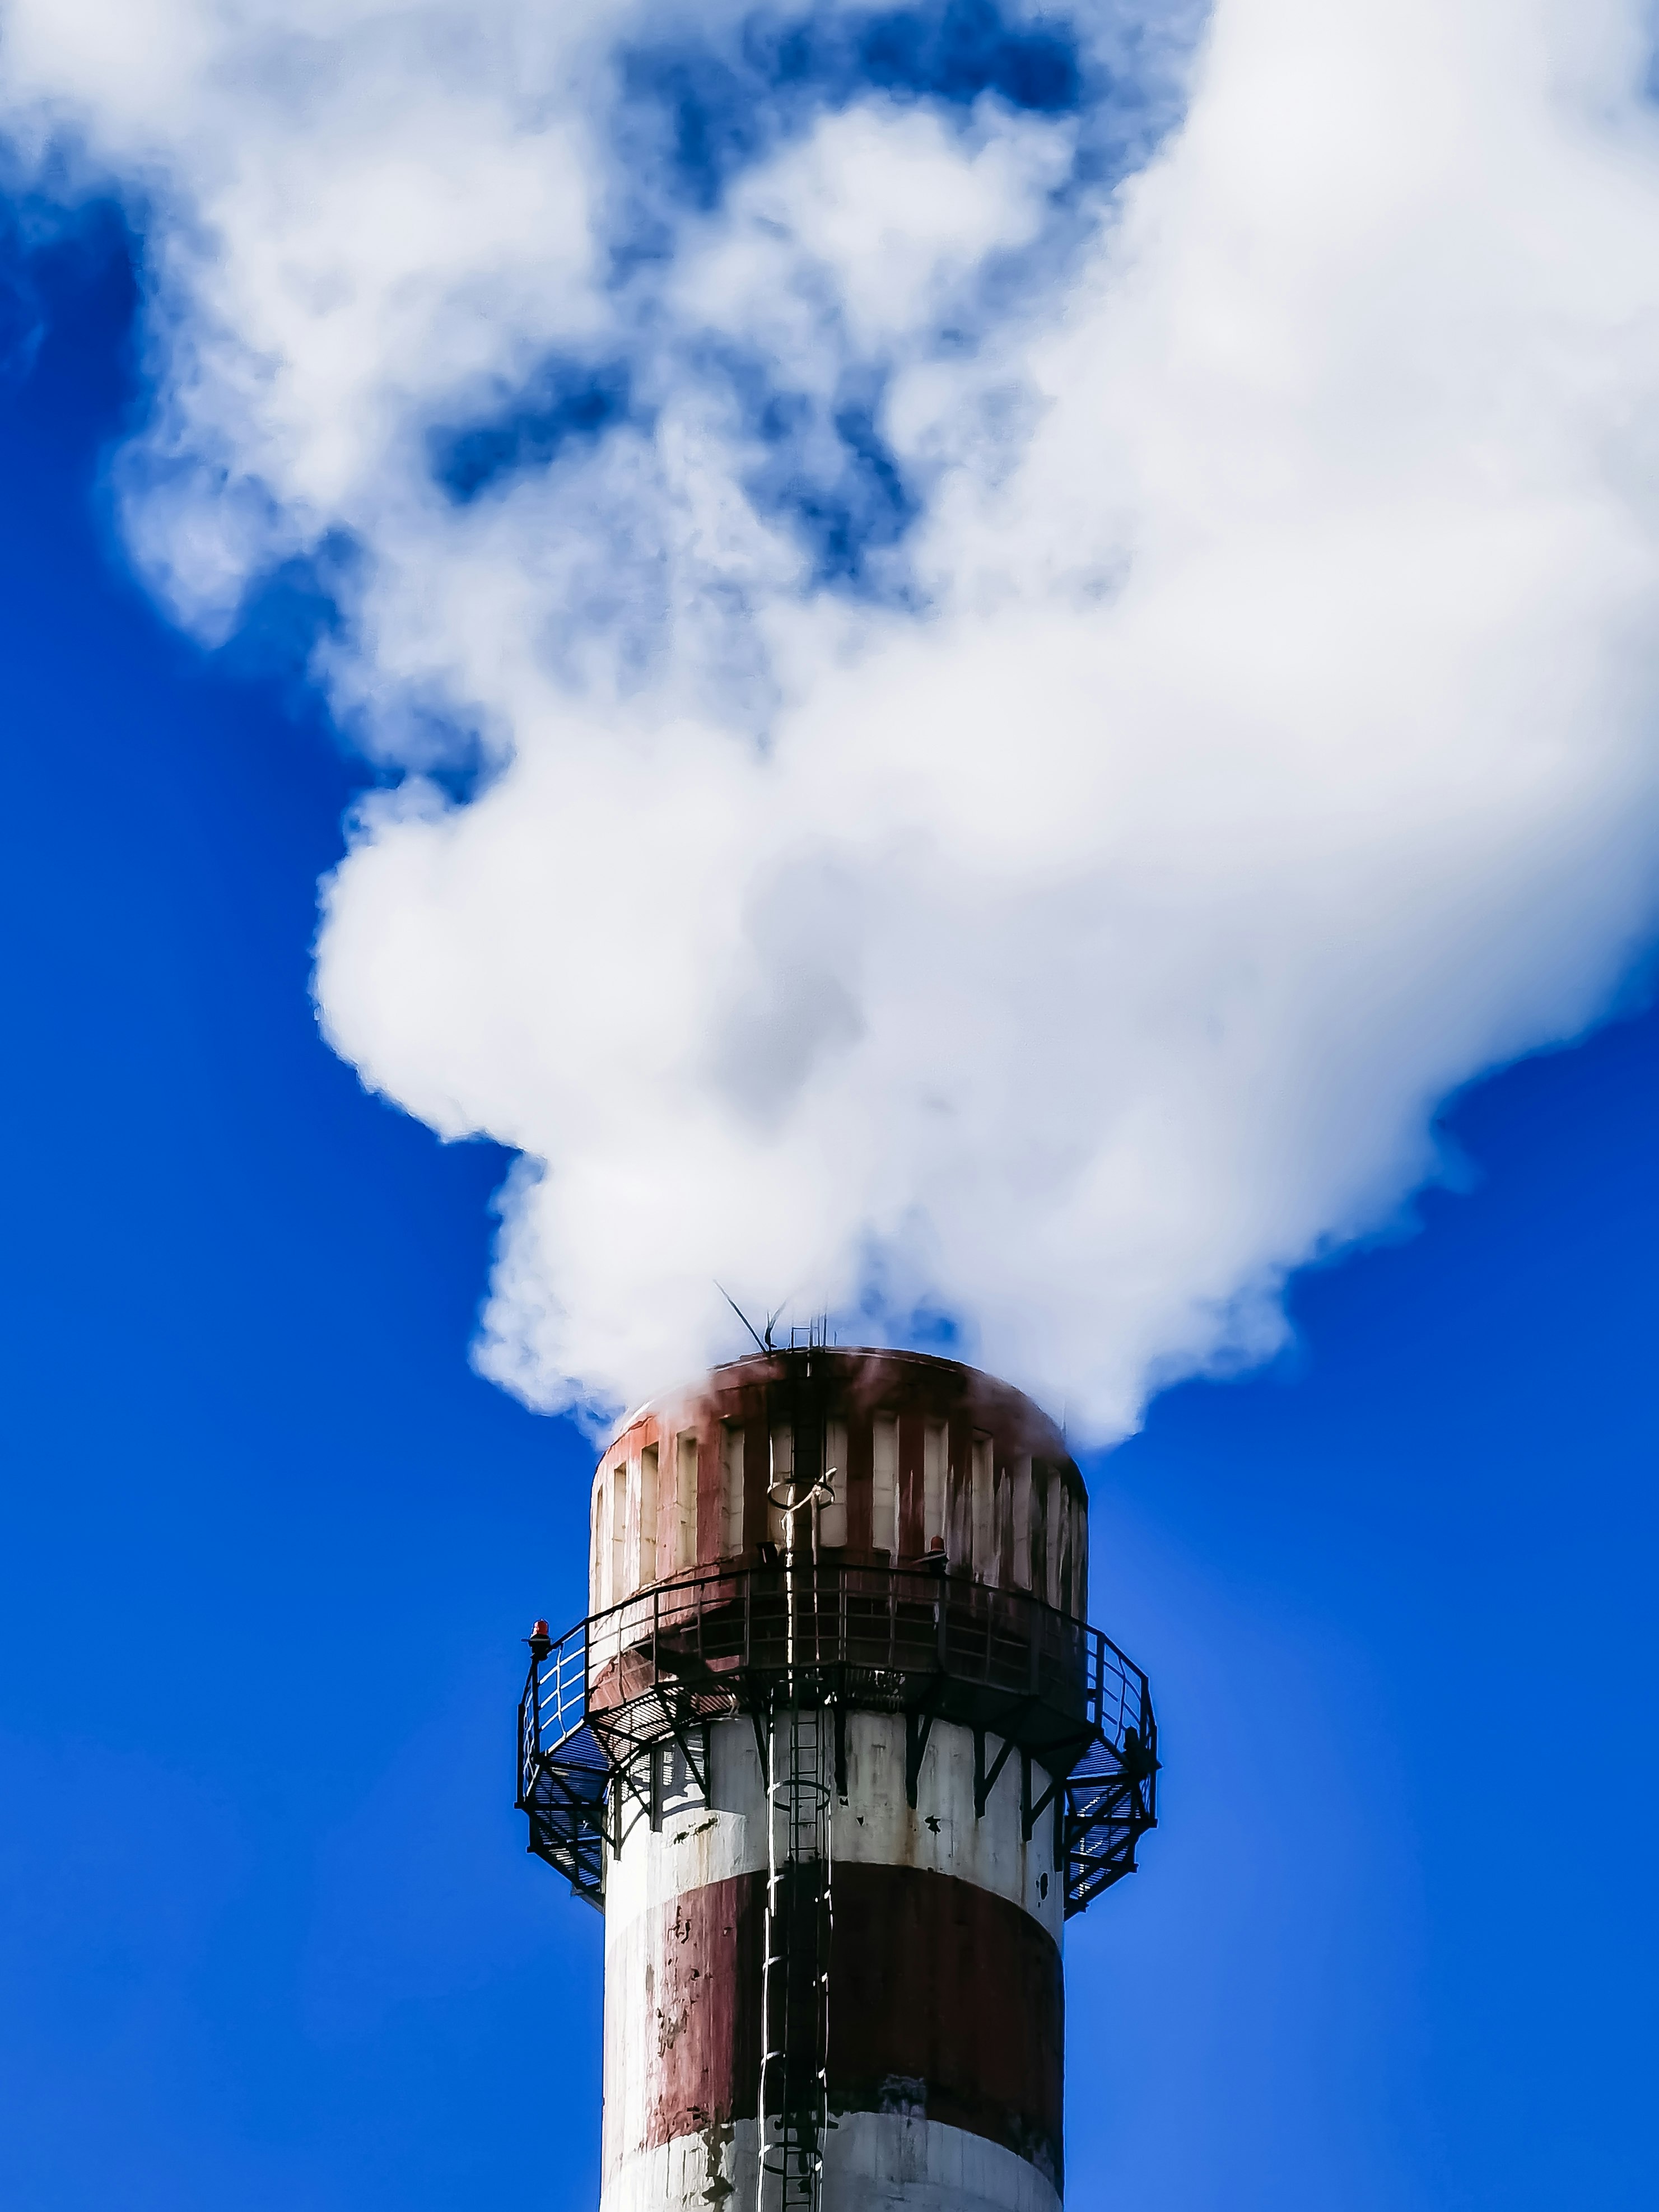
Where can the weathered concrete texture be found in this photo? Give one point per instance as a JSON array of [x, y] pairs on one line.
[[876, 2162], [946, 2004], [876, 1827], [945, 1993], [940, 1834], [682, 2018], [924, 1452], [880, 2162]]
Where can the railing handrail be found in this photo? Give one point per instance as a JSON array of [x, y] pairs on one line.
[[1002, 1662], [1115, 1694], [924, 1578]]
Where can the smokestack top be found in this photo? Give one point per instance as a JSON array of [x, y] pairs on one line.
[[908, 1460], [912, 1380]]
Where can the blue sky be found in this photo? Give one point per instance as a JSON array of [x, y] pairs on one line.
[[270, 1938]]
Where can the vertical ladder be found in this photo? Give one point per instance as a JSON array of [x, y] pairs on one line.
[[794, 2083], [792, 2108]]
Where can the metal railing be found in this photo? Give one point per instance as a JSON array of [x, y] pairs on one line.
[[733, 1640]]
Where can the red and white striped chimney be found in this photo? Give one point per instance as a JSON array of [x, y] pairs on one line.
[[838, 1755]]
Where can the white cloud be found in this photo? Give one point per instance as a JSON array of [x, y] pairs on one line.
[[1078, 944], [878, 222]]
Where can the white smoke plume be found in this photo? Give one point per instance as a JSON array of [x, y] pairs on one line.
[[989, 687]]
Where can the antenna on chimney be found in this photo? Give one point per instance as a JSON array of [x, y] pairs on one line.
[[762, 1344]]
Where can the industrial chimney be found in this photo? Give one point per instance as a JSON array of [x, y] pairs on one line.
[[838, 1756]]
